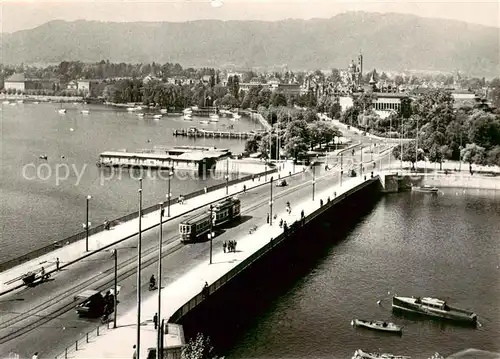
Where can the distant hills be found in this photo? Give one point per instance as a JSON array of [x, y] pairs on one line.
[[388, 42]]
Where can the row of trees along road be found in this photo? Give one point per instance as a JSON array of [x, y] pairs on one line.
[[447, 133], [295, 130]]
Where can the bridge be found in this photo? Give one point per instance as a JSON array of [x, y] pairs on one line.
[[28, 312]]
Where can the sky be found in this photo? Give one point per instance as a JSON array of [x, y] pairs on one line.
[[25, 14]]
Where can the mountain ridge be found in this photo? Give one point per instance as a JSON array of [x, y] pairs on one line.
[[388, 41]]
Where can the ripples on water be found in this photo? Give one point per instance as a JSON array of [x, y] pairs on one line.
[[445, 246], [34, 213]]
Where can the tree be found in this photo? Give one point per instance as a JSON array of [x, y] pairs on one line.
[[484, 129], [335, 76], [410, 153], [252, 144], [199, 348], [473, 153], [493, 158]]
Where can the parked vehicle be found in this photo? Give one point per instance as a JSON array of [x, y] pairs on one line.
[[281, 183], [92, 305]]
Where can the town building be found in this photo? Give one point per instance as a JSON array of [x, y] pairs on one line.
[[88, 87], [19, 82]]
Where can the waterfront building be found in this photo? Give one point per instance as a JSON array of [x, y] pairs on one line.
[[19, 82], [88, 87]]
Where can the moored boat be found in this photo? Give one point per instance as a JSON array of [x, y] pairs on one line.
[[85, 112], [140, 115], [62, 110], [157, 117], [188, 117], [214, 118], [426, 189], [359, 354], [377, 325], [204, 122], [433, 307], [163, 111]]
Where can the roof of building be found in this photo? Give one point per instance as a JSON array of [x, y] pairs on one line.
[[17, 77]]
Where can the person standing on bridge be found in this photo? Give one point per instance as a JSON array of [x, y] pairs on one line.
[[224, 245], [57, 263]]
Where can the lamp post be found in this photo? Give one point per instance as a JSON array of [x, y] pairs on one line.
[[160, 244], [139, 244], [211, 230], [271, 203], [227, 184], [87, 226], [361, 162], [169, 195], [341, 167], [314, 178], [115, 254], [294, 156]]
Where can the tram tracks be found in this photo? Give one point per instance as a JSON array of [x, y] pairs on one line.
[[105, 278]]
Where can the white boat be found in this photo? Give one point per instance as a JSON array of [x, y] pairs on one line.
[[359, 354], [236, 116], [157, 117], [61, 110], [426, 189], [5, 102], [36, 103], [140, 115], [130, 109], [19, 101], [12, 104], [137, 108], [377, 325], [187, 111], [214, 118], [163, 111], [188, 117], [85, 112], [204, 122]]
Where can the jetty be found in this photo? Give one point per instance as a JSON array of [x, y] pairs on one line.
[[200, 132]]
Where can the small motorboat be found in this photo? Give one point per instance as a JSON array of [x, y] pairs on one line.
[[6, 102], [140, 115], [188, 117], [85, 112], [62, 110], [130, 109], [214, 118], [157, 117], [425, 189], [377, 325], [19, 101], [359, 354], [163, 111], [204, 122]]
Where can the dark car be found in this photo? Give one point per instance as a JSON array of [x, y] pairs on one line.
[[92, 305], [281, 183]]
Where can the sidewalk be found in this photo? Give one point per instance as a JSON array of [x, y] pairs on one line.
[[189, 285], [11, 278]]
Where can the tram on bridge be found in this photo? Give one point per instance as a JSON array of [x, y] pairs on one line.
[[198, 225]]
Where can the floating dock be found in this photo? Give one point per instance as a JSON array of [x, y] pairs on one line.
[[200, 132], [191, 158]]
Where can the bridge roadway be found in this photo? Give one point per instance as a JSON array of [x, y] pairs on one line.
[[40, 318]]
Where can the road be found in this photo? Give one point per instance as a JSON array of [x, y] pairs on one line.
[[42, 318]]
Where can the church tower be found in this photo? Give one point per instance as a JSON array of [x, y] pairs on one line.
[[360, 68]]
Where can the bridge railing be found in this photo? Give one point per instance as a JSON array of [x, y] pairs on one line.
[[83, 340], [99, 228]]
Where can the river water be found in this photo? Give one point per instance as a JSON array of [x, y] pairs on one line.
[[445, 246], [38, 209]]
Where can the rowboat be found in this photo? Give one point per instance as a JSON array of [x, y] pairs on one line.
[[359, 354], [377, 325], [426, 189]]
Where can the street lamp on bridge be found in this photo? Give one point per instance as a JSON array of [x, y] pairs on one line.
[[139, 262], [211, 234], [169, 194], [271, 203], [86, 225]]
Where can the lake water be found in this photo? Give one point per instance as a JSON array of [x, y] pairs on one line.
[[445, 246], [38, 209]]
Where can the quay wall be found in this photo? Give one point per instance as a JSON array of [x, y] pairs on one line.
[[99, 228], [237, 298], [393, 182]]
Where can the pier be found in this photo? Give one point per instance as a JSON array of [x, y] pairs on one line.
[[199, 132]]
